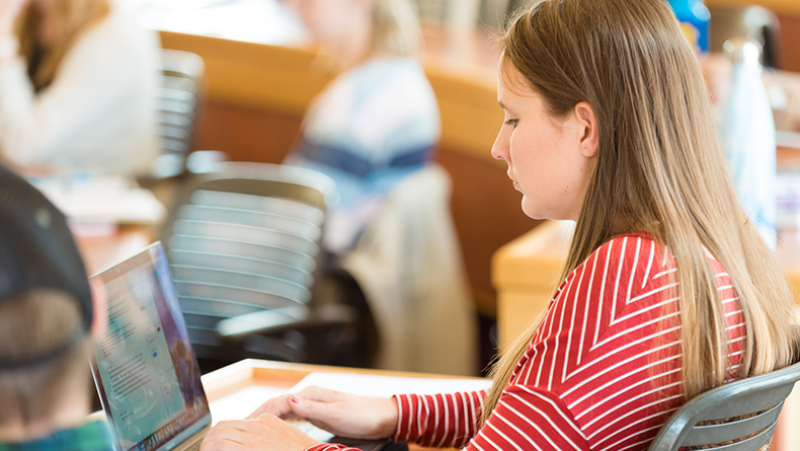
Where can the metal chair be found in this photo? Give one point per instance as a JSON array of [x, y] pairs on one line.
[[178, 99], [244, 250], [738, 416]]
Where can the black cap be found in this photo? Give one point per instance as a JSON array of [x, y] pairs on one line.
[[37, 251]]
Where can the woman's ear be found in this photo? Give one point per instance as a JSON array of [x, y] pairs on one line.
[[588, 129]]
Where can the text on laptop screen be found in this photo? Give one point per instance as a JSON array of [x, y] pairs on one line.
[[149, 379]]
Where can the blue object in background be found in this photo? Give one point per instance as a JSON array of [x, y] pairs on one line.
[[694, 18]]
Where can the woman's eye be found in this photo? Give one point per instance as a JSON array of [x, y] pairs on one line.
[[512, 122]]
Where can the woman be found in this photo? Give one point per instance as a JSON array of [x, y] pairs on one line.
[[78, 85], [667, 291], [377, 121]]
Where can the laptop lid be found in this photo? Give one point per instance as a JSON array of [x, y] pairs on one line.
[[143, 366]]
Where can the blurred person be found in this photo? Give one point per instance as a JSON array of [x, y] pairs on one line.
[[48, 313], [78, 86], [377, 121], [374, 130]]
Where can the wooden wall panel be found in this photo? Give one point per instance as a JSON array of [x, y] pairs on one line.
[[247, 134], [790, 40]]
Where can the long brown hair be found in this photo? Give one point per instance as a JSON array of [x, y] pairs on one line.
[[660, 170], [74, 17]]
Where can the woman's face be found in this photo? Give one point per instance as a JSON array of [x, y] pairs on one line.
[[550, 160]]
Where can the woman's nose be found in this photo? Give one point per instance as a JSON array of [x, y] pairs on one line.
[[500, 147]]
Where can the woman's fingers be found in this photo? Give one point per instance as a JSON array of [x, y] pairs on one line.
[[275, 406], [310, 409], [280, 408], [320, 394]]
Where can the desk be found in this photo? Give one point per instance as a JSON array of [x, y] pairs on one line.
[[240, 376]]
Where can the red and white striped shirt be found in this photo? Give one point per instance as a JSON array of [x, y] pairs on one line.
[[602, 371]]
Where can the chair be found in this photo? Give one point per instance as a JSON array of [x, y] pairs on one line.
[[758, 399], [178, 99], [244, 249]]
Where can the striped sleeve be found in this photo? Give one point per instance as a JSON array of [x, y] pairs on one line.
[[439, 421]]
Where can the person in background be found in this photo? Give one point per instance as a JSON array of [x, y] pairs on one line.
[[378, 120], [667, 290], [48, 312], [78, 87]]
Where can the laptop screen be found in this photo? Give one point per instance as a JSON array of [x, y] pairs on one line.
[[144, 367]]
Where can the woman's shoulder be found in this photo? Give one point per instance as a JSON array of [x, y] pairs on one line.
[[633, 250], [625, 264]]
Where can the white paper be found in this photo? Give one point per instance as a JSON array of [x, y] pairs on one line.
[[387, 386], [89, 198]]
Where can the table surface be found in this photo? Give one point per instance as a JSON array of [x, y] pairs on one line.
[[263, 378]]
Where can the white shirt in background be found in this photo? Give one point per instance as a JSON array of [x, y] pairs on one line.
[[98, 114]]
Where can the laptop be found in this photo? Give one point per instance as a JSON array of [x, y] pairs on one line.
[[144, 367]]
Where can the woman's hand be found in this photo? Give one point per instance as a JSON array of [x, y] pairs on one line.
[[266, 432], [342, 414]]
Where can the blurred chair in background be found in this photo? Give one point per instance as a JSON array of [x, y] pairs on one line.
[[179, 100], [78, 83], [244, 249]]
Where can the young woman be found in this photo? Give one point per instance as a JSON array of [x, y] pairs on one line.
[[668, 290], [78, 87], [378, 120]]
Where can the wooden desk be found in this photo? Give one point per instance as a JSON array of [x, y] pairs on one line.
[[226, 382]]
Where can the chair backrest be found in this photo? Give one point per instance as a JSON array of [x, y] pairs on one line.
[[178, 100], [245, 239], [744, 412]]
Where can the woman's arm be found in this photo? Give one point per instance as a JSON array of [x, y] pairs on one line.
[[439, 421]]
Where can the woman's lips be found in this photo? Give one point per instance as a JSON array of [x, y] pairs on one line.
[[516, 185]]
